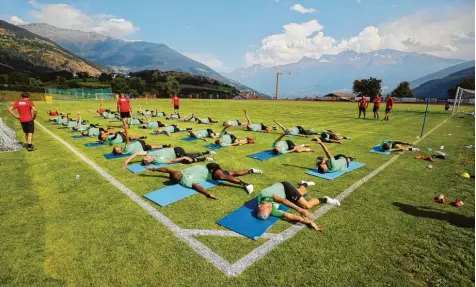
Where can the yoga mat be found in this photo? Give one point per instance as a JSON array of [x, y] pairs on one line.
[[79, 137], [376, 149], [244, 221], [189, 139], [136, 168], [264, 155], [94, 144], [155, 134], [213, 146], [174, 193], [333, 175], [113, 156]]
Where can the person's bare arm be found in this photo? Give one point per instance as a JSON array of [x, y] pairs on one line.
[[160, 169], [328, 153], [280, 125], [306, 221], [10, 110], [302, 211], [247, 118], [130, 107], [142, 153], [34, 112], [203, 191], [126, 131], [180, 159], [281, 137], [405, 143]]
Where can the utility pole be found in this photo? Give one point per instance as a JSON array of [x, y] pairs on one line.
[[277, 84]]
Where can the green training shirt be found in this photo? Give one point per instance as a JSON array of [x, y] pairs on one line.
[[282, 145], [163, 155], [152, 125], [201, 134], [110, 139], [293, 131], [195, 174], [266, 195], [133, 147], [337, 164], [93, 132], [255, 127]]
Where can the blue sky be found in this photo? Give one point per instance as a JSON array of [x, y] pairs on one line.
[[231, 34]]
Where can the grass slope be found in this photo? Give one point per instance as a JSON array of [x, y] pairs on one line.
[[57, 230]]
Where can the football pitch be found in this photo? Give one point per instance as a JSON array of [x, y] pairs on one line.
[[99, 230]]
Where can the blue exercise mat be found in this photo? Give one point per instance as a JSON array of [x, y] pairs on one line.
[[79, 137], [136, 168], [174, 193], [376, 149], [113, 156], [333, 175], [189, 139], [264, 155], [94, 144], [156, 134], [213, 146], [244, 221]]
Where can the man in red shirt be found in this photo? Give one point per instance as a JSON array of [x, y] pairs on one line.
[[176, 103], [388, 108], [363, 104], [26, 114], [124, 108], [377, 101]]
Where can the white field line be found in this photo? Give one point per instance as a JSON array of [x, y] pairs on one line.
[[239, 266], [187, 234]]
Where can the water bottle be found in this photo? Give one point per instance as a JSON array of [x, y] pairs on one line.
[[78, 176], [430, 166]]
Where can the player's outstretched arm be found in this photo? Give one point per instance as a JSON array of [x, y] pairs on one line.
[[203, 191]]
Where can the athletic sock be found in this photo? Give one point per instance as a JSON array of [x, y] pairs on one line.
[[332, 201], [198, 159], [307, 183]]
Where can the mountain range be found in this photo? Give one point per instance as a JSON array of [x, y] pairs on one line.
[[441, 74], [22, 50], [336, 73], [436, 88], [126, 56]]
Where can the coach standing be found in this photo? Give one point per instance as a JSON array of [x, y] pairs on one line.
[[124, 108], [26, 114], [176, 103]]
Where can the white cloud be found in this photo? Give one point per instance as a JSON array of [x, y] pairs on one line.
[[210, 60], [15, 20], [69, 17], [299, 8], [358, 1], [450, 35]]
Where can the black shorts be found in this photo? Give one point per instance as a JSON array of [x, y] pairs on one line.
[[161, 125], [387, 110], [125, 115], [28, 127], [375, 109], [176, 107], [292, 194], [291, 145], [233, 138], [238, 122], [210, 132], [179, 152], [213, 168], [362, 109], [123, 136], [176, 129], [145, 146]]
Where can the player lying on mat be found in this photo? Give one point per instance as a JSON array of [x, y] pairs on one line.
[[54, 112], [170, 155], [135, 146], [151, 113], [71, 123], [93, 130], [256, 127], [110, 115], [233, 123], [150, 124], [296, 131], [116, 138], [287, 146], [227, 139], [173, 117], [167, 130], [270, 198], [395, 146], [202, 134], [190, 119], [192, 176], [206, 121], [329, 136], [332, 163]]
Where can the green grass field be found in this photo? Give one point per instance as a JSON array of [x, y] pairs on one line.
[[56, 230]]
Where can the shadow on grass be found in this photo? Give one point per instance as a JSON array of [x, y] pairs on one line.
[[427, 212], [298, 166]]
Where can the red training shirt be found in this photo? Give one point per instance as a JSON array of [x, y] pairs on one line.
[[176, 101], [23, 107], [363, 102], [377, 102], [389, 103], [123, 104]]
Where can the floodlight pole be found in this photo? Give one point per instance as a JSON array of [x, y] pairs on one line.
[[424, 119]]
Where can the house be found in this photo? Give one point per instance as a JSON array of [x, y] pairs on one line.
[[340, 97]]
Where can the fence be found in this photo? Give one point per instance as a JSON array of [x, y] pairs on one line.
[[80, 94]]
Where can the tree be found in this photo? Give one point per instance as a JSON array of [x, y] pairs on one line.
[[120, 85], [403, 91], [155, 82], [3, 79], [104, 77], [138, 85], [61, 83], [82, 75], [19, 78], [467, 83], [367, 87], [171, 87]]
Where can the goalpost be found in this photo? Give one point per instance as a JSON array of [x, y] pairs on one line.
[[8, 142], [463, 96]]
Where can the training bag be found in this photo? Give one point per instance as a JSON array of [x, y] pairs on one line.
[[8, 140]]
